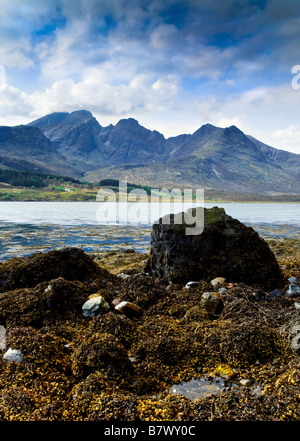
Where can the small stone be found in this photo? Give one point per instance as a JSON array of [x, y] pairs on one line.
[[255, 295], [217, 281], [123, 276], [257, 391], [212, 303], [295, 343], [295, 329], [116, 301], [293, 290], [93, 306], [297, 306], [275, 293], [13, 355], [222, 290], [129, 309], [292, 279], [192, 284], [92, 296], [246, 382], [229, 285]]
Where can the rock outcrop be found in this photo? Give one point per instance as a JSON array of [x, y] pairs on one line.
[[225, 248], [68, 263]]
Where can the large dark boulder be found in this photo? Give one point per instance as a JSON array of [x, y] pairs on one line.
[[225, 248]]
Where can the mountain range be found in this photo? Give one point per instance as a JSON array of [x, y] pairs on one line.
[[75, 144]]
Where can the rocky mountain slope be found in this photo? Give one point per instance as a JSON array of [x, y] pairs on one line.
[[26, 148], [212, 157], [87, 145]]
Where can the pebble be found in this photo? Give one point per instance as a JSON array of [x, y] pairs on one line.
[[217, 281], [256, 295], [297, 305], [13, 355], [93, 306], [129, 309], [212, 303], [295, 343], [191, 284], [274, 293], [116, 301], [293, 290], [292, 279], [222, 290], [257, 391], [123, 276], [246, 382]]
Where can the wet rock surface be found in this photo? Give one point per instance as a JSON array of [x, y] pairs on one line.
[[226, 248], [111, 366]]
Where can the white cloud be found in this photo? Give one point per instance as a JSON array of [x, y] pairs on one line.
[[164, 36], [15, 105], [104, 99], [288, 137]]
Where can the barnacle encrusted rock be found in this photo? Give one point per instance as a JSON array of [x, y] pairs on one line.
[[225, 248]]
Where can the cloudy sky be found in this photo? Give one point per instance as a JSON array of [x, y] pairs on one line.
[[172, 65]]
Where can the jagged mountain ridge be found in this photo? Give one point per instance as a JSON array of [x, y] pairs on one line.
[[211, 157], [88, 145], [26, 148]]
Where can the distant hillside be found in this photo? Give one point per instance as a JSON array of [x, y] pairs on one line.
[[75, 144], [26, 148], [215, 158]]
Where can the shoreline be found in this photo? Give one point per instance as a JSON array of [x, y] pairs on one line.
[[175, 362], [25, 239], [161, 202]]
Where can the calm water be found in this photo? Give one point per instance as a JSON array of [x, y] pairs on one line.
[[27, 227]]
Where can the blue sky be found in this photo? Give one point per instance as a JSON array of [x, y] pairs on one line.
[[172, 65]]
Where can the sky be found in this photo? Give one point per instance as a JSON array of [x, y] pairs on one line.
[[172, 65]]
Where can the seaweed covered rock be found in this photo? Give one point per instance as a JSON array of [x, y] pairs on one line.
[[101, 352], [225, 247], [58, 299], [70, 263], [118, 325], [40, 348]]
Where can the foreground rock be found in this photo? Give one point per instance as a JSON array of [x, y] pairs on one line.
[[101, 351], [94, 306], [69, 263], [110, 367], [48, 287], [13, 355], [226, 248], [129, 309]]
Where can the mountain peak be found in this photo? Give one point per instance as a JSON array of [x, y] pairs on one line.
[[128, 122], [233, 129], [206, 129]]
